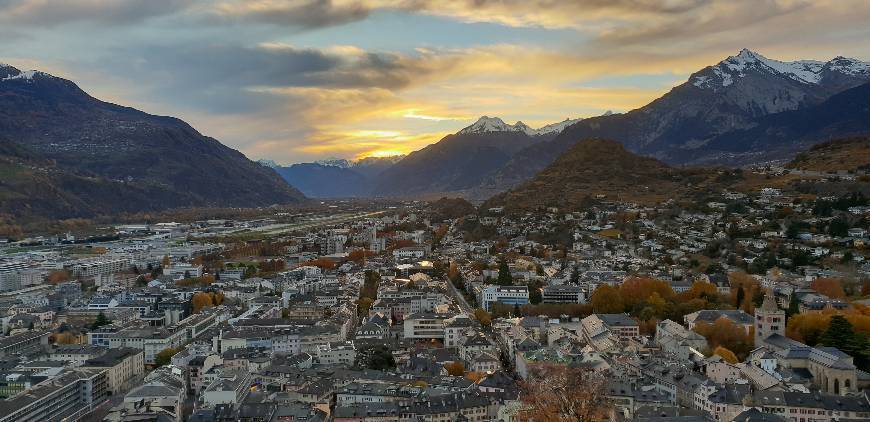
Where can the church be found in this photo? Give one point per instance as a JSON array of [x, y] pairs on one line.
[[829, 369]]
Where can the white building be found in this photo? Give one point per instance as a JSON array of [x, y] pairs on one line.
[[508, 295]]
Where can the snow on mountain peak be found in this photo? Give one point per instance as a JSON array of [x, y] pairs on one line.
[[488, 124], [13, 74], [733, 68], [494, 124]]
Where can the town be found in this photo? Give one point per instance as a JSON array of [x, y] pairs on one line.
[[744, 307]]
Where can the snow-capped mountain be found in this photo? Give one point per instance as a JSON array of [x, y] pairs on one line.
[[334, 162], [488, 124], [747, 62]]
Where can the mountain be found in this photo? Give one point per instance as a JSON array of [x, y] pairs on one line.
[[598, 168], [850, 154], [336, 178], [488, 124], [92, 157], [783, 134], [678, 128], [459, 161]]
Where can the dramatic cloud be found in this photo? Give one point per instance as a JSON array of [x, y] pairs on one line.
[[302, 79], [53, 12]]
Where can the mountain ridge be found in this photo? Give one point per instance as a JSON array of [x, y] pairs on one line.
[[114, 146]]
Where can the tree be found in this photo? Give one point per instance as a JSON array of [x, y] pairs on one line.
[[606, 299], [807, 328], [559, 393], [793, 306], [740, 295], [65, 338], [723, 332], [363, 305], [504, 274], [483, 317], [839, 332], [200, 300], [455, 368], [58, 276], [830, 287], [378, 357], [535, 294], [726, 354], [100, 321], [165, 356]]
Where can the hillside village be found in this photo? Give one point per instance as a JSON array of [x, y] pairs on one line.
[[745, 306]]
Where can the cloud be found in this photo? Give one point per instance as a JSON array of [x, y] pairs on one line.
[[231, 78], [305, 14], [49, 12]]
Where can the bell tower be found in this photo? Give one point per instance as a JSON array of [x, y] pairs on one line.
[[769, 319]]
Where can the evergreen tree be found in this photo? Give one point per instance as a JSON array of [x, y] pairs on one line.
[[504, 274], [100, 321], [793, 306], [740, 295], [839, 332]]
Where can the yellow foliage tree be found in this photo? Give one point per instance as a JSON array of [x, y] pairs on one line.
[[726, 354], [607, 299], [455, 368], [483, 317], [200, 300]]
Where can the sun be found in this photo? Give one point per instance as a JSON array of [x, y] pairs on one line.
[[382, 153]]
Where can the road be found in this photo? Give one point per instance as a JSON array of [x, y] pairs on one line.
[[329, 220], [460, 299]]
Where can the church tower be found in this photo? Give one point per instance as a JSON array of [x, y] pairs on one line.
[[769, 320]]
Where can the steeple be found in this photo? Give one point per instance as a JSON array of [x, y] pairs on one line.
[[769, 304], [769, 319]]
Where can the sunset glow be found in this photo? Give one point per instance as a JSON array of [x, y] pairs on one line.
[[302, 80]]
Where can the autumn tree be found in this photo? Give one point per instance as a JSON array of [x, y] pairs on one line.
[[358, 255], [322, 263], [606, 299], [483, 317], [830, 287], [201, 300], [65, 337], [559, 393], [637, 291], [58, 276], [725, 333], [726, 354], [455, 368]]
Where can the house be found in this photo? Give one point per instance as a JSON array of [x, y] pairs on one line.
[[676, 340], [710, 316]]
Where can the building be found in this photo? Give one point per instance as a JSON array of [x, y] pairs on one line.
[[425, 325], [182, 271], [122, 366], [507, 295], [336, 353], [769, 320], [409, 252], [676, 340], [69, 395], [563, 294]]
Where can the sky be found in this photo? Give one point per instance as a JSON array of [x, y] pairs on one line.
[[301, 80]]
